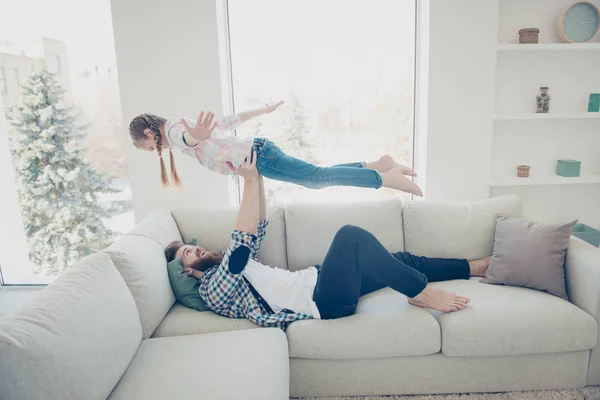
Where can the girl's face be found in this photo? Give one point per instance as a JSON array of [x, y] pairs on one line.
[[147, 144]]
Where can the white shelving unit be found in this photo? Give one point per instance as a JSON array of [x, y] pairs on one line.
[[569, 47], [546, 180], [549, 116]]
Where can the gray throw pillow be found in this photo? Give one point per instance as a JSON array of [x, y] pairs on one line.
[[530, 254]]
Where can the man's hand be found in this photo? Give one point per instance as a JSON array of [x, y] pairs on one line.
[[193, 273], [248, 169], [204, 126], [270, 108]]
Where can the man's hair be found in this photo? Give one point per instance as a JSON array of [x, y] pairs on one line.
[[172, 248], [137, 127]]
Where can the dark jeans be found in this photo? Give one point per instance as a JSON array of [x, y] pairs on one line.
[[357, 264], [274, 164]]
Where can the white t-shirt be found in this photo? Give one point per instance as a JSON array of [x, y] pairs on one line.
[[284, 289]]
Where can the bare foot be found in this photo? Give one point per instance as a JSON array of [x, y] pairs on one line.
[[386, 163], [395, 179], [438, 299], [479, 266]]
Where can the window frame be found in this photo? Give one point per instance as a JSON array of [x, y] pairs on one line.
[[227, 89]]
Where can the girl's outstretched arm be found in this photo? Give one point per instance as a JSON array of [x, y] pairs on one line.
[[248, 115]]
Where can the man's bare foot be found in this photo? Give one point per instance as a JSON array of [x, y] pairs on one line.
[[438, 299], [386, 163], [395, 179], [479, 266]]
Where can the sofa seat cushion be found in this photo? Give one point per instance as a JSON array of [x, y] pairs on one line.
[[505, 321], [384, 326], [250, 365], [181, 320]]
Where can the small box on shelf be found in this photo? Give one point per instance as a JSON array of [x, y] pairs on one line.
[[587, 234], [594, 103], [568, 168]]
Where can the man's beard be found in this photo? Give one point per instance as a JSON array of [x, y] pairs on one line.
[[209, 259]]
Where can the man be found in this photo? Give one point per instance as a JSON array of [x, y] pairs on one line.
[[236, 285]]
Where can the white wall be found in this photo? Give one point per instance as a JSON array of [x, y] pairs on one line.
[[459, 99], [168, 64], [571, 76]]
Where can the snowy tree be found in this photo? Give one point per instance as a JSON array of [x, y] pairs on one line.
[[296, 137], [57, 189]]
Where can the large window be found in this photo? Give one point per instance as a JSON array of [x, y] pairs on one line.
[[345, 69], [65, 192], [2, 80]]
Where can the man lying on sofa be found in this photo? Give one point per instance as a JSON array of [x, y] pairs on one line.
[[236, 285]]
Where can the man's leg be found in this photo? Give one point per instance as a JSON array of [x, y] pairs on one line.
[[444, 269], [356, 255]]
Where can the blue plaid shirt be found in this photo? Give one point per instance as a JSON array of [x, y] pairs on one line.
[[229, 295]]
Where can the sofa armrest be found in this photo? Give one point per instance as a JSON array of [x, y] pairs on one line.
[[583, 286]]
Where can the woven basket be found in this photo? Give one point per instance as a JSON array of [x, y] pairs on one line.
[[528, 35], [523, 171]]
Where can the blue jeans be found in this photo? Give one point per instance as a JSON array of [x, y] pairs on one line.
[[273, 163]]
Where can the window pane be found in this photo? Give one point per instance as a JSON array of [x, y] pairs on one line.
[[61, 137], [54, 66], [346, 71], [2, 80]]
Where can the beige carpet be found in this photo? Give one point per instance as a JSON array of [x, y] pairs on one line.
[[589, 393]]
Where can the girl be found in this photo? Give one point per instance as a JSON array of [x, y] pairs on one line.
[[212, 144]]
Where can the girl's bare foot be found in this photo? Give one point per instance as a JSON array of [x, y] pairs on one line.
[[386, 163], [395, 179], [479, 266], [440, 300]]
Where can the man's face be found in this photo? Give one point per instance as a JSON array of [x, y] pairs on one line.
[[197, 258]]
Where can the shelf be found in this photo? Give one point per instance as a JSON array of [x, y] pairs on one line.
[[548, 47], [546, 180], [548, 116]]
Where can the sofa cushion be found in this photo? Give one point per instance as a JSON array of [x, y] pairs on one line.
[[384, 326], [250, 365], [530, 254], [455, 230], [74, 340], [142, 263], [160, 226], [213, 227], [181, 320], [505, 321], [310, 228]]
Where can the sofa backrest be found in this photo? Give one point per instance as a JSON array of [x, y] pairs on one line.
[[74, 340], [455, 230], [213, 227], [310, 227], [139, 256]]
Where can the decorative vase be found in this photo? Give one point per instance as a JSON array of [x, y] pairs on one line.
[[543, 100], [594, 104], [528, 35], [523, 171]]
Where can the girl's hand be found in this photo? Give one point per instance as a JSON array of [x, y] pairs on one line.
[[204, 126], [270, 108], [248, 169]]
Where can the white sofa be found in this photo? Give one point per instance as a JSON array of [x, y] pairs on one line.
[[95, 333]]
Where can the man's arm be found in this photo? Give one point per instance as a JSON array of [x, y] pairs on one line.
[[261, 228], [218, 289]]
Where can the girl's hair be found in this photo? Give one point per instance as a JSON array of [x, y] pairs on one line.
[[137, 129]]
